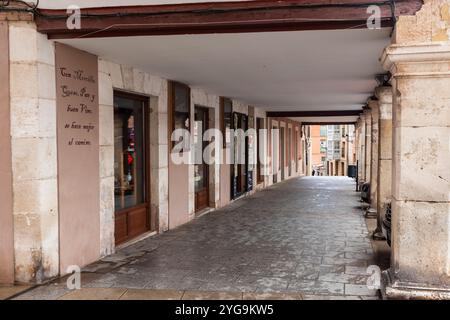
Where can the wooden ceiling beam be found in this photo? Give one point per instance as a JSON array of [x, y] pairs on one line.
[[220, 17]]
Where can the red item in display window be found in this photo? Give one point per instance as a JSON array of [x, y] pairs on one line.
[[130, 159]]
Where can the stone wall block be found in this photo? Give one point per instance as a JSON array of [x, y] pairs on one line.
[[115, 72], [23, 41], [385, 139], [158, 86], [128, 77], [107, 241], [163, 218], [47, 118], [162, 129], [419, 109], [34, 158], [138, 80], [46, 81], [24, 80], [423, 232], [105, 89], [421, 164], [24, 117], [106, 128], [106, 161], [50, 231], [163, 96], [28, 252], [45, 50], [430, 24]]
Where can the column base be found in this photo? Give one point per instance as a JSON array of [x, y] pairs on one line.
[[378, 235], [394, 289], [371, 213], [364, 206]]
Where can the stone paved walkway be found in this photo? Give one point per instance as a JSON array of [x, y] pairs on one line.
[[305, 235]]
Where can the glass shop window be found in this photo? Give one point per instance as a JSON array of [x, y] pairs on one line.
[[227, 118], [181, 106], [129, 153]]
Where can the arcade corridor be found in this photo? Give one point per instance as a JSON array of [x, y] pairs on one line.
[[304, 236]]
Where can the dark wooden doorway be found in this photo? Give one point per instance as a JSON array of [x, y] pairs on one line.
[[289, 151], [239, 169], [201, 169], [275, 150], [260, 150], [296, 155], [282, 152], [131, 163]]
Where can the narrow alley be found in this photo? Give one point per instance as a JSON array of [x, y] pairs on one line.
[[303, 238]]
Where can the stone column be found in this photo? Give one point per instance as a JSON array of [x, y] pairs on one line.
[[361, 150], [34, 156], [419, 61], [384, 179], [372, 211], [368, 144], [356, 141], [6, 204]]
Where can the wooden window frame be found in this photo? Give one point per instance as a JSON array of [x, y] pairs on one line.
[[260, 125], [222, 119], [147, 164], [171, 111]]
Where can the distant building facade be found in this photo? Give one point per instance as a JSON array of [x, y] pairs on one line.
[[340, 151], [319, 149]]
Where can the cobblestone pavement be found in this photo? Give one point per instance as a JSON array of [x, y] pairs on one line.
[[305, 235]]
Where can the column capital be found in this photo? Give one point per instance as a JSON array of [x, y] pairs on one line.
[[430, 59], [360, 121], [361, 117], [384, 94], [373, 105]]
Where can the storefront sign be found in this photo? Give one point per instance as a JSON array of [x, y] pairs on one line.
[[78, 156]]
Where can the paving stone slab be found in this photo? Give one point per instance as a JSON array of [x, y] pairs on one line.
[[305, 235]]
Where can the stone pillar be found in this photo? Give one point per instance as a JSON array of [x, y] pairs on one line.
[[384, 179], [372, 211], [34, 156], [419, 61], [356, 141], [368, 144], [361, 149], [6, 204]]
